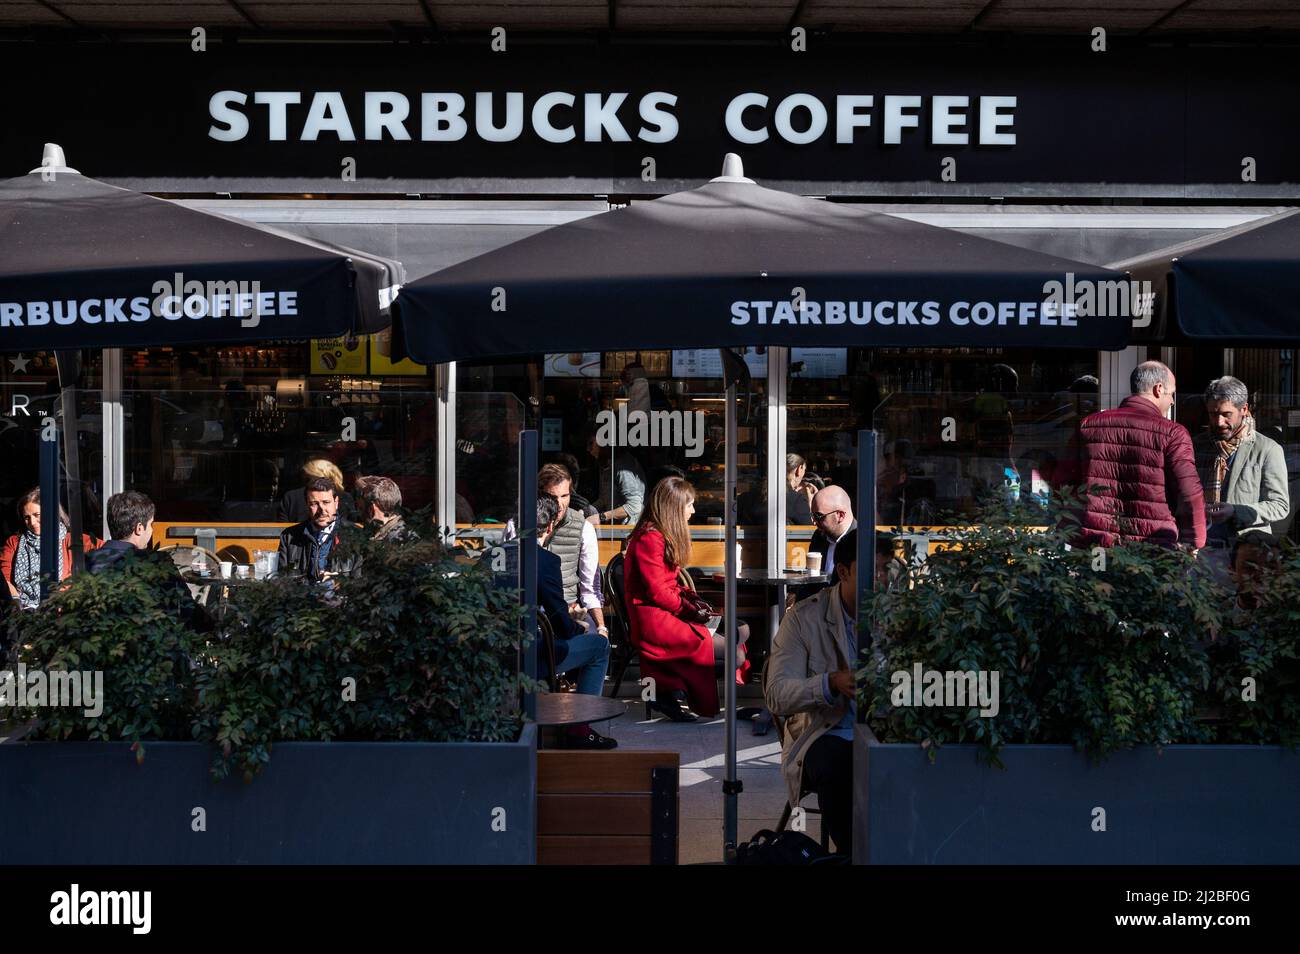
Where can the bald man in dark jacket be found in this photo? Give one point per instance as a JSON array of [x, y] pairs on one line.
[[1146, 465]]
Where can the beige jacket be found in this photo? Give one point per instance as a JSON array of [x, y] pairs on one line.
[[1257, 485], [811, 642]]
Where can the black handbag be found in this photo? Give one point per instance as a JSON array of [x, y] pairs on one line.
[[696, 609]]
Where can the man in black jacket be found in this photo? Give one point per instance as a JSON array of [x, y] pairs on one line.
[[130, 524], [583, 653], [311, 547]]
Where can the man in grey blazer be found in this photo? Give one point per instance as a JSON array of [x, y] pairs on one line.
[[1244, 475]]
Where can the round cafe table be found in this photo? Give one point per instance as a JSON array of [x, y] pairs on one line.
[[775, 583], [747, 577], [575, 708]]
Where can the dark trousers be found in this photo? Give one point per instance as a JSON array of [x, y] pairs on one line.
[[828, 771]]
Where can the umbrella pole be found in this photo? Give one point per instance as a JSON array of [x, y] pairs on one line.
[[730, 787], [49, 461], [527, 543], [69, 365]]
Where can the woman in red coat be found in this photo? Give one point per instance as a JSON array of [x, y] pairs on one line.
[[677, 652]]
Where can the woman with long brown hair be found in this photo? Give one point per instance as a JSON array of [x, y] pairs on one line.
[[20, 557], [677, 649]]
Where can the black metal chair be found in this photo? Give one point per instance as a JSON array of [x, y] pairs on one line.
[[622, 652], [547, 635]]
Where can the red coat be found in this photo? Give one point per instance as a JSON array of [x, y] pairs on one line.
[[10, 550], [675, 653], [1146, 461]]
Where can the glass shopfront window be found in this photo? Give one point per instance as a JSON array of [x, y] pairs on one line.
[[220, 434], [953, 424], [623, 420], [29, 393]]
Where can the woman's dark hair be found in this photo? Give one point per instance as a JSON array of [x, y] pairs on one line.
[[126, 511], [548, 508]]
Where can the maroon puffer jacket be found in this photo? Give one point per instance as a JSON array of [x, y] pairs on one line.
[[1147, 463]]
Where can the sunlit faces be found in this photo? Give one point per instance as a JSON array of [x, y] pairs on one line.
[[323, 505], [32, 517], [1224, 417]]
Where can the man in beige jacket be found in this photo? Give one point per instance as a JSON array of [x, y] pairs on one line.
[[1246, 483], [810, 682]]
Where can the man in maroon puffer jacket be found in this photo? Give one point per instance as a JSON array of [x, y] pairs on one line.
[[1147, 465]]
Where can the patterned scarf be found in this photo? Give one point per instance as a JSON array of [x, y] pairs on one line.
[[27, 567], [1227, 447]]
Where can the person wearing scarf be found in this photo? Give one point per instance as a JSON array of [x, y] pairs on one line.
[[1244, 474], [20, 558]]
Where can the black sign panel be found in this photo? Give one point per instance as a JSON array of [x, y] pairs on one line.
[[1002, 114]]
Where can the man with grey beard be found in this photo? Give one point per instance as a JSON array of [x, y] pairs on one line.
[[1245, 479]]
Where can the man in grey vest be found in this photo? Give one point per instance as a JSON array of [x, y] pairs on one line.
[[574, 542]]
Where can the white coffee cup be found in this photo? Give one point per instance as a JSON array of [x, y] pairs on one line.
[[814, 563], [242, 571], [226, 568]]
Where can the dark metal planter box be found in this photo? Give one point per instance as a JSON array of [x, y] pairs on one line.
[[1189, 804], [315, 803]]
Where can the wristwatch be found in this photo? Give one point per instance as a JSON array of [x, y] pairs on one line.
[[603, 630]]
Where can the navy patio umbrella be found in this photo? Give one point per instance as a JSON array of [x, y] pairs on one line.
[[732, 264], [89, 265], [1241, 284]]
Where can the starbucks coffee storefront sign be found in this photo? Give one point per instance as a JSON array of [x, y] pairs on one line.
[[568, 119]]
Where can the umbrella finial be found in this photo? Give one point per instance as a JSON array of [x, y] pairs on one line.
[[733, 170], [53, 159]]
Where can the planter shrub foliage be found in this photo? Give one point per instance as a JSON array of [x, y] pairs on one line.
[[1136, 645], [417, 645]]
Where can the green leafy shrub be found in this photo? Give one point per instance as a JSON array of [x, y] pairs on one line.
[[415, 646], [435, 645], [1256, 689], [123, 623], [1104, 659], [274, 675]]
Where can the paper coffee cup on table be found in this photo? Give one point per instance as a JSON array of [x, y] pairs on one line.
[[226, 568], [814, 564]]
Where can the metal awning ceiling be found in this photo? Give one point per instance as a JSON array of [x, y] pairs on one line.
[[1152, 18]]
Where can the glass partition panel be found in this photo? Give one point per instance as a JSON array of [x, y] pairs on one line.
[[620, 421], [237, 453], [947, 457], [487, 461], [29, 392]]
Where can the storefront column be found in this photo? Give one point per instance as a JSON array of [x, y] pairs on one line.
[[445, 475], [113, 433], [1113, 371], [778, 386]]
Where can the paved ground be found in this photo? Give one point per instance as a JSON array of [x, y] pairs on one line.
[[702, 747]]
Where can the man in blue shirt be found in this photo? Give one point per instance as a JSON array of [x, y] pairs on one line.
[[810, 681]]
